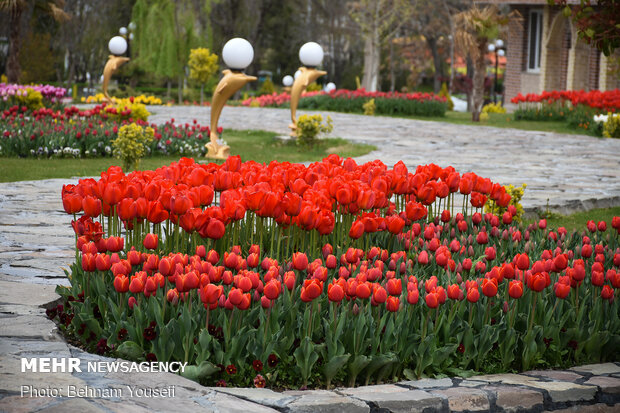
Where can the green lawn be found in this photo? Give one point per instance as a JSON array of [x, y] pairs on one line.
[[251, 145], [578, 220]]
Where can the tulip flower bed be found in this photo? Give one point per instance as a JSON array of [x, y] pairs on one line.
[[578, 108], [343, 100], [46, 95], [288, 275], [87, 133]]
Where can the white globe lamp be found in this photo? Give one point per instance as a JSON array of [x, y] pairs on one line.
[[287, 80], [238, 54], [297, 73], [122, 31], [329, 87], [311, 54], [501, 52], [499, 43], [491, 47], [117, 45]]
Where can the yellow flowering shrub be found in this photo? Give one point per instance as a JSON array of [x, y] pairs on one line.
[[145, 100], [310, 126], [611, 127], [494, 108], [31, 98], [314, 87], [369, 107], [125, 109], [132, 144], [516, 194], [444, 93]]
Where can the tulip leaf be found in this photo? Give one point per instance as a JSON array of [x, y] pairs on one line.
[[130, 350], [334, 365], [201, 371], [305, 357]]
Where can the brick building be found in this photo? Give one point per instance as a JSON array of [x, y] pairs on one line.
[[544, 52]]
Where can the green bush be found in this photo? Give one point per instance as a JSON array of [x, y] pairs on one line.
[[383, 106], [309, 127], [131, 144], [611, 128], [582, 117]]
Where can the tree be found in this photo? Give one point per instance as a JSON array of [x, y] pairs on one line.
[[16, 8], [474, 28], [598, 22], [173, 23], [379, 20], [202, 65]]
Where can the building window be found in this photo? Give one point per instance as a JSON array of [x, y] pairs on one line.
[[534, 39]]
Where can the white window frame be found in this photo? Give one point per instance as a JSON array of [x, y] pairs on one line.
[[537, 38]]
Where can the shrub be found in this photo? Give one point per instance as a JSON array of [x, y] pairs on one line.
[[581, 117], [516, 194], [314, 87], [444, 93], [494, 108], [369, 107], [132, 144], [310, 126], [266, 88], [611, 128], [33, 99]]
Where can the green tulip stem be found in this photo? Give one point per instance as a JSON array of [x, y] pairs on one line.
[[531, 323]]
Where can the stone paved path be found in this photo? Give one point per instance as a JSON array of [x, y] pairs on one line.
[[573, 171], [35, 240]]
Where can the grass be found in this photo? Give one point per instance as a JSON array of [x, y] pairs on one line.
[[578, 220], [259, 146]]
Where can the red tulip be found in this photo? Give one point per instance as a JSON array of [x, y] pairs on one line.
[[150, 241], [607, 293], [392, 304], [272, 289], [91, 206], [89, 262], [522, 262], [394, 286], [515, 289], [335, 293], [561, 290], [300, 261], [432, 300], [103, 262], [489, 287], [379, 295], [473, 295]]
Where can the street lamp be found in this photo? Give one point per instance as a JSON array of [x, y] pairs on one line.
[[310, 55], [329, 87], [117, 46], [237, 54], [500, 50]]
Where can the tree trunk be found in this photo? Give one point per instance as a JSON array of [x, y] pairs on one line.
[[392, 71], [437, 63], [12, 63], [169, 85], [180, 89], [202, 89], [370, 80], [470, 75], [478, 87]]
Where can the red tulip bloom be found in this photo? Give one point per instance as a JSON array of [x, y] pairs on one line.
[[136, 285], [335, 293], [150, 241], [454, 292], [392, 304], [473, 295], [89, 262], [602, 226], [522, 262], [489, 287], [272, 289], [103, 262], [537, 282], [311, 290], [515, 289], [432, 300], [300, 261], [607, 293], [379, 295], [413, 296], [561, 290], [395, 286], [91, 206]]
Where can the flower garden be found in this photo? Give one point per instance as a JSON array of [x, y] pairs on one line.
[[286, 276], [594, 111], [343, 100], [36, 124]]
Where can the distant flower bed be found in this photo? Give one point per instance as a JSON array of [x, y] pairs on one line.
[[145, 100], [87, 133], [31, 96], [580, 109], [606, 101], [343, 100]]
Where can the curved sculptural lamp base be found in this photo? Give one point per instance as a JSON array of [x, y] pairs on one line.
[[307, 76], [112, 65], [230, 83], [216, 151]]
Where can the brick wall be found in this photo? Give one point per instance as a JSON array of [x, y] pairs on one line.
[[516, 47]]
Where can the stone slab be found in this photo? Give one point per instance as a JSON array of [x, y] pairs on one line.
[[610, 385], [598, 369], [560, 375], [514, 399], [427, 383], [395, 398], [265, 397], [33, 294], [464, 399], [27, 326], [595, 408], [322, 401]]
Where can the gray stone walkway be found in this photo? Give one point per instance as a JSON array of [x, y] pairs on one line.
[[575, 172]]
